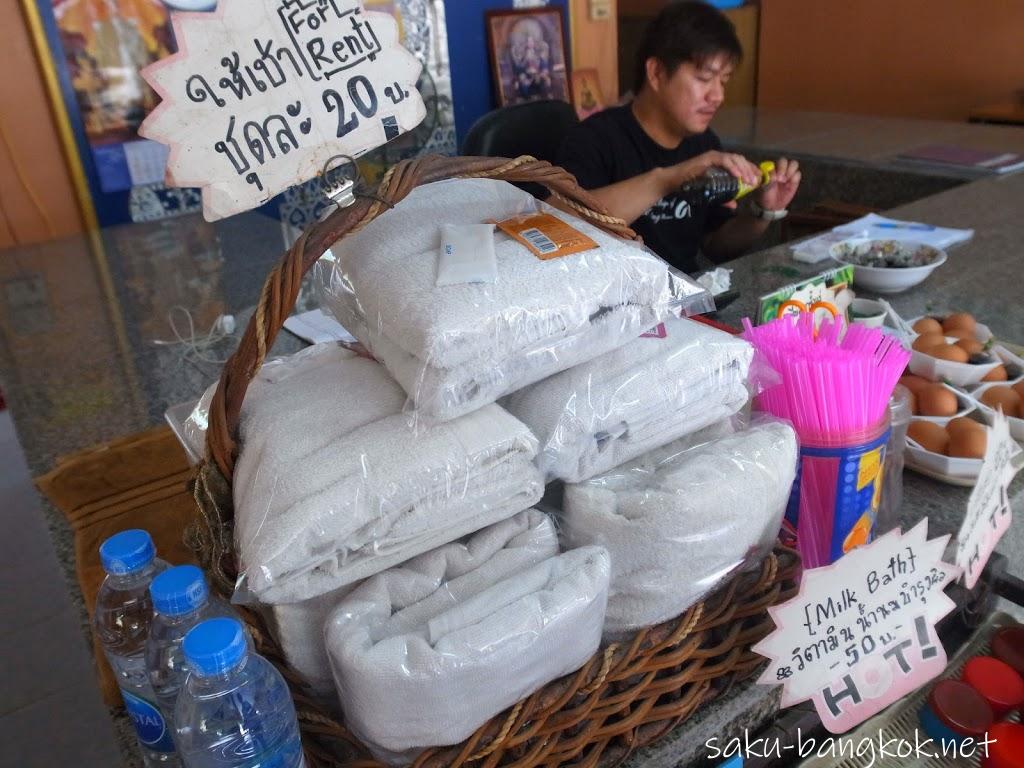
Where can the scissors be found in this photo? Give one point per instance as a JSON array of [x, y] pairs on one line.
[[801, 307]]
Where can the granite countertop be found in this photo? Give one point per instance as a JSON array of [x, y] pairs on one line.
[[860, 139], [79, 364]]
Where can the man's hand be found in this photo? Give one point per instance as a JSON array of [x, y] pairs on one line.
[[696, 167], [785, 182]]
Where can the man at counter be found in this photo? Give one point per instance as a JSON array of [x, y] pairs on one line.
[[634, 157]]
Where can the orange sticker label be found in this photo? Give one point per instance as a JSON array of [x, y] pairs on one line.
[[547, 236]]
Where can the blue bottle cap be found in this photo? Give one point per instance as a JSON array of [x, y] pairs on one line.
[[215, 646], [179, 590], [127, 552]]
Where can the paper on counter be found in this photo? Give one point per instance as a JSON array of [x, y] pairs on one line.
[[817, 248], [316, 327], [882, 228]]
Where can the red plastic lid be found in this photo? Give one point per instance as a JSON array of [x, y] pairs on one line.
[[1008, 646], [1006, 747], [960, 708], [997, 681]]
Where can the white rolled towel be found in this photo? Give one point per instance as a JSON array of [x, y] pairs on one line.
[[674, 380], [512, 545], [679, 521], [423, 657], [334, 483], [455, 348]]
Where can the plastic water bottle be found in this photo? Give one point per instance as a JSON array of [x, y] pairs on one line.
[[123, 616], [181, 600], [235, 710]]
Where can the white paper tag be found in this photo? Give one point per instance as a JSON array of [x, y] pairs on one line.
[[988, 508], [467, 254], [861, 633]]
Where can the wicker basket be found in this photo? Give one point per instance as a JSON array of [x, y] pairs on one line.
[[628, 694]]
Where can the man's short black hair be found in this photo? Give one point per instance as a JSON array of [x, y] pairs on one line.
[[690, 31]]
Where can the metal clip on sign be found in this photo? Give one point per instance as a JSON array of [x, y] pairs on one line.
[[337, 185]]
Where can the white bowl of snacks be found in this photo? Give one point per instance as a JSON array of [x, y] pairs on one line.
[[887, 266]]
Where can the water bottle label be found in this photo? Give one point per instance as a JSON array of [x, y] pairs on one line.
[[149, 723]]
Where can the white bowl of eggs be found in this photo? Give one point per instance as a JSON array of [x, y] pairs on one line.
[[1005, 396], [953, 348], [951, 450]]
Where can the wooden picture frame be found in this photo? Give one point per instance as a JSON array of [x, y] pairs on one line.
[[586, 93], [529, 55]]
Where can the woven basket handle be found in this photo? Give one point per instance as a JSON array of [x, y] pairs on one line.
[[281, 288]]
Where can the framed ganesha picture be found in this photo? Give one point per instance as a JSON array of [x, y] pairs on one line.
[[528, 55]]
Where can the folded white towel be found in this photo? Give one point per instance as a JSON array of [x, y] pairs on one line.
[[514, 544], [676, 379], [334, 483], [424, 654], [678, 522], [455, 348]]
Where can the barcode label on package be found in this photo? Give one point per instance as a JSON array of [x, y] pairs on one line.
[[546, 235], [540, 241]]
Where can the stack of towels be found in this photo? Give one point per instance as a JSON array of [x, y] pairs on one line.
[[680, 520], [425, 652], [674, 380], [395, 550], [456, 348], [334, 483]]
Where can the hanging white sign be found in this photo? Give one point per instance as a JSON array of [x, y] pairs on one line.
[[988, 509], [263, 93]]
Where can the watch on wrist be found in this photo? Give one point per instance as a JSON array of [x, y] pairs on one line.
[[766, 215]]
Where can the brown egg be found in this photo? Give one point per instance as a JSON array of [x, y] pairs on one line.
[[961, 333], [971, 346], [1003, 397], [912, 401], [1019, 389], [932, 437], [959, 320], [922, 342], [968, 444], [950, 352], [937, 401], [963, 424], [996, 374], [915, 383], [928, 325]]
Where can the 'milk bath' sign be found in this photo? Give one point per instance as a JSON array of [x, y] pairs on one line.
[[262, 93], [861, 632]]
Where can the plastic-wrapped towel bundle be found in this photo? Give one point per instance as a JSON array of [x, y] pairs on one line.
[[681, 519], [456, 348], [672, 381], [424, 654], [334, 483], [299, 630], [509, 546]]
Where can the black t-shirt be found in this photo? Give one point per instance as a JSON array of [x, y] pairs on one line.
[[611, 146]]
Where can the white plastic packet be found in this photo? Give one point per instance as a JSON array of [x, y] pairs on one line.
[[680, 520], [459, 347], [466, 254]]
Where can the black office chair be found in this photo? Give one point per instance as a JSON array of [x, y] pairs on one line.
[[533, 128]]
